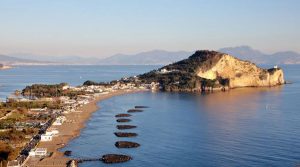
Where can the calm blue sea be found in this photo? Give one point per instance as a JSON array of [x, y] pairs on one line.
[[241, 127]]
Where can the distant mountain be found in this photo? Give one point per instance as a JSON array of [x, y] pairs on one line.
[[65, 60], [287, 57], [256, 56], [155, 57], [9, 60], [161, 57]]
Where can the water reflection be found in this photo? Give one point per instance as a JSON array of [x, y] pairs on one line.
[[237, 100]]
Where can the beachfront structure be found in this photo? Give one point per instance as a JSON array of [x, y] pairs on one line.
[[93, 88], [53, 132], [38, 152], [59, 120], [14, 163], [69, 102], [46, 137], [83, 102]]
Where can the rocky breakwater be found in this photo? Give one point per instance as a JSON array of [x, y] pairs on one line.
[[126, 144], [121, 127], [210, 70], [122, 115], [115, 158], [123, 120], [125, 134], [134, 110]]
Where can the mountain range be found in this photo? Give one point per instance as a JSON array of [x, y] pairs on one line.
[[154, 57], [256, 56], [10, 60]]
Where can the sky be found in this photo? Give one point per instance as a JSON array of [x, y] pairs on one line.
[[99, 28]]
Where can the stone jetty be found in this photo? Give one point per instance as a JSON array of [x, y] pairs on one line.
[[115, 158], [121, 127], [125, 134], [126, 144], [141, 107], [134, 110], [123, 120], [123, 115]]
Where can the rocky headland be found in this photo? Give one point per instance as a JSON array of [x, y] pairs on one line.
[[210, 70]]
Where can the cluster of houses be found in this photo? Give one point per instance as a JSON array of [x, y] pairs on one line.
[[70, 105], [50, 131]]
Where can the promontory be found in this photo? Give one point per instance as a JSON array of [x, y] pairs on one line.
[[204, 71]]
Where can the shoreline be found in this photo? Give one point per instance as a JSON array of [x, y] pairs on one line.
[[71, 129], [6, 67]]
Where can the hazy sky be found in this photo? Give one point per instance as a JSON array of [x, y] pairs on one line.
[[105, 27]]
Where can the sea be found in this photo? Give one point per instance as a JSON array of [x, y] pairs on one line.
[[240, 127]]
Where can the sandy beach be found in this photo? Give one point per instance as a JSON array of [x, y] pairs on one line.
[[69, 130]]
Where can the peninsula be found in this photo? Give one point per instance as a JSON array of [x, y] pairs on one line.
[[35, 125], [205, 71], [211, 70]]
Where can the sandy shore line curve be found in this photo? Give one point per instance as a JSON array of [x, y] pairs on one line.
[[69, 130]]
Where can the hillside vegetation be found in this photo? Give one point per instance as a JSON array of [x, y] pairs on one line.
[[207, 70]]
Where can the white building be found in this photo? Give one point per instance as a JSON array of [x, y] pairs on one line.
[[53, 132], [59, 120], [46, 137], [71, 101], [65, 87], [38, 152], [163, 71]]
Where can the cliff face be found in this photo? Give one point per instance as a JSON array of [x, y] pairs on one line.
[[241, 73], [210, 70]]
